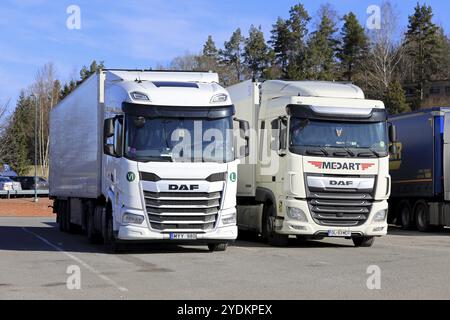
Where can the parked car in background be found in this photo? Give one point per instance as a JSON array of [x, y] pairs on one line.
[[28, 183], [6, 184]]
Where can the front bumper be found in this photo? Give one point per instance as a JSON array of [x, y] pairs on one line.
[[145, 234], [311, 228]]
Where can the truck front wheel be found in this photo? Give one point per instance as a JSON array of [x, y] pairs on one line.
[[268, 228], [112, 245], [363, 242]]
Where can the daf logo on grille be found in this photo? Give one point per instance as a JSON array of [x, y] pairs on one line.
[[341, 183], [183, 187]]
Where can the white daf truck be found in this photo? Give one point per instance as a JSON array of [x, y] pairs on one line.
[[142, 156], [318, 164]]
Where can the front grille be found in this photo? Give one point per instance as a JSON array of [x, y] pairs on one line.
[[179, 211], [337, 207]]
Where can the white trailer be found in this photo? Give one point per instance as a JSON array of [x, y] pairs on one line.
[[146, 156], [318, 161]]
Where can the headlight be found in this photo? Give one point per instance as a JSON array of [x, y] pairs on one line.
[[139, 96], [296, 214], [229, 219], [132, 218], [380, 216], [218, 98]]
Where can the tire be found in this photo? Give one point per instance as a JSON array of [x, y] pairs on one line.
[[405, 215], [363, 242], [217, 247], [268, 232], [92, 235], [61, 217], [422, 216], [110, 240]]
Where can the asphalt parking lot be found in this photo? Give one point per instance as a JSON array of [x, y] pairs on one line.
[[39, 262]]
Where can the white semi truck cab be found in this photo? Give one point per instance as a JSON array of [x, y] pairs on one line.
[[146, 156], [318, 162]]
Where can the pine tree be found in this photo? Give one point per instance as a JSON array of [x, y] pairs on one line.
[[18, 134], [93, 68], [353, 48], [322, 46], [395, 99], [209, 60], [280, 42], [231, 56], [422, 47], [256, 52], [210, 49], [298, 30]]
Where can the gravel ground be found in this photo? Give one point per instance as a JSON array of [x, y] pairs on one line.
[[26, 207]]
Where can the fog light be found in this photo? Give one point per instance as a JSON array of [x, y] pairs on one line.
[[380, 216], [378, 229], [230, 219], [300, 228], [132, 218], [296, 214]]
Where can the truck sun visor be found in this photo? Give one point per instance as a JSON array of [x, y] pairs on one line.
[[152, 111]]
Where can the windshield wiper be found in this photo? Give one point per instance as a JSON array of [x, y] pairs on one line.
[[319, 151], [347, 150], [370, 154]]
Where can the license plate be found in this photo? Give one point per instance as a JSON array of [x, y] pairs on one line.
[[339, 233], [183, 236]]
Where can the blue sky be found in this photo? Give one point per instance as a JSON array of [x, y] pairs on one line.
[[139, 33]]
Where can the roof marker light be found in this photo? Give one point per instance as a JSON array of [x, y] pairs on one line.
[[139, 96], [218, 98]]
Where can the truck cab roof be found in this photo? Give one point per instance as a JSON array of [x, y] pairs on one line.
[[326, 89], [196, 89]]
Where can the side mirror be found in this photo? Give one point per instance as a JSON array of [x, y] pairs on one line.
[[244, 131], [108, 132], [108, 149], [279, 134], [392, 133], [108, 128], [393, 149]]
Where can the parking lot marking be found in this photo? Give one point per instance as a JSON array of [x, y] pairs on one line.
[[78, 260]]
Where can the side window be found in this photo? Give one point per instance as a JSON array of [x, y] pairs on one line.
[[279, 134], [118, 136]]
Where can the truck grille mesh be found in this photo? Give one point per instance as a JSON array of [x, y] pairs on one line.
[[183, 212], [340, 207]]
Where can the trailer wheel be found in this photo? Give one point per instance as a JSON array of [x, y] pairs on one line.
[[405, 215], [422, 215], [363, 242], [268, 228], [217, 247], [60, 216]]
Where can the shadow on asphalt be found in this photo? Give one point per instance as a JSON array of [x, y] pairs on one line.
[[398, 231], [14, 238], [253, 240], [25, 239]]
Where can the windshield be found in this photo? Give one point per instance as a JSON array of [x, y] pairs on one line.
[[353, 138], [179, 139]]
